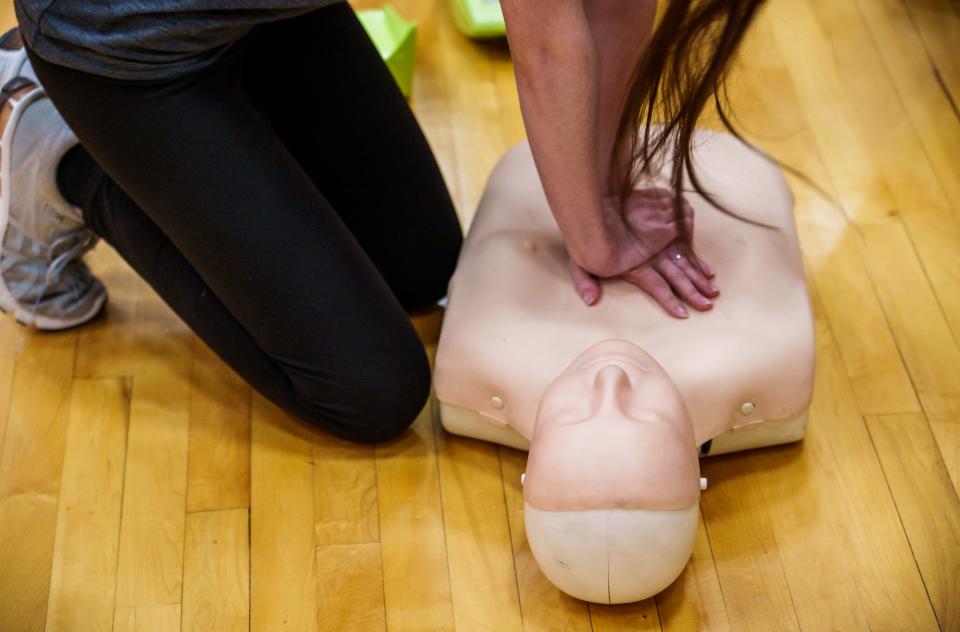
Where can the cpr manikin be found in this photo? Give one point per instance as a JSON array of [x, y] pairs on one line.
[[616, 401]]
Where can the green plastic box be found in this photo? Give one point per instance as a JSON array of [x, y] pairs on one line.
[[395, 38], [478, 18]]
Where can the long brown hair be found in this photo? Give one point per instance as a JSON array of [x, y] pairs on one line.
[[683, 68]]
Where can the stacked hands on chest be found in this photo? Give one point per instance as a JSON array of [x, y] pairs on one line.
[[649, 247]]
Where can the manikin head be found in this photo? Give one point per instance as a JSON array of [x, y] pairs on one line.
[[612, 481]]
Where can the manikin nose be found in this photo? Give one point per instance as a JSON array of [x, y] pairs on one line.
[[613, 384]]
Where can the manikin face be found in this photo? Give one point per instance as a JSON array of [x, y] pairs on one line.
[[612, 431]]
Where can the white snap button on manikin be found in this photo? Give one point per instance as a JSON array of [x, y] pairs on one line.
[[746, 408], [523, 478], [703, 483], [496, 402]]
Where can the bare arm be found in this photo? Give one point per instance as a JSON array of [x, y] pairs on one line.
[[573, 61], [621, 30], [557, 65]]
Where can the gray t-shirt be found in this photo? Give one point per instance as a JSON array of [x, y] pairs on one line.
[[145, 39]]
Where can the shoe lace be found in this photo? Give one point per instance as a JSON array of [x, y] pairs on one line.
[[74, 243], [70, 247]]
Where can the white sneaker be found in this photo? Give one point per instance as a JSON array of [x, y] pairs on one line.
[[43, 279]]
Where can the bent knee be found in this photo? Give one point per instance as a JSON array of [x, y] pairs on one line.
[[376, 401]]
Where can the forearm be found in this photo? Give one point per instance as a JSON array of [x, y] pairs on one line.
[[558, 79], [621, 29]]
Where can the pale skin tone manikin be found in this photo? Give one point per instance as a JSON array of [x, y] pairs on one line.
[[572, 60]]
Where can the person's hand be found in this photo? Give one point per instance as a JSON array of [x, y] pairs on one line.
[[640, 229], [649, 254]]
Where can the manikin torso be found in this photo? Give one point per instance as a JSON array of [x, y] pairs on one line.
[[514, 321], [614, 400]]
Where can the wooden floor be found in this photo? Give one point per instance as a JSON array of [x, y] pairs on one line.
[[143, 486]]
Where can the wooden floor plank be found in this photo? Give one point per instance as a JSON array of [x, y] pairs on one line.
[[924, 106], [938, 23], [744, 547], [11, 339], [482, 578], [911, 129], [810, 62], [30, 472], [864, 515], [930, 351], [416, 581], [147, 619], [282, 571], [107, 345], [543, 605], [344, 491], [812, 521], [901, 175], [640, 616], [928, 505], [150, 567], [218, 476], [947, 433], [83, 579], [350, 588], [216, 571], [769, 110]]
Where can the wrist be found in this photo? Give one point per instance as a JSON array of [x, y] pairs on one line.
[[594, 252]]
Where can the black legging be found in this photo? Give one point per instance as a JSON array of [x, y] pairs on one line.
[[285, 204]]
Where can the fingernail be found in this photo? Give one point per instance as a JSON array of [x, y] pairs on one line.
[[589, 296], [681, 311]]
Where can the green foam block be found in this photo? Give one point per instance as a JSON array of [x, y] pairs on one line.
[[479, 18], [395, 38]]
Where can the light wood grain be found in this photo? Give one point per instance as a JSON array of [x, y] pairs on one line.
[[947, 433], [416, 580], [350, 588], [771, 112], [482, 578], [344, 492], [216, 571], [282, 573], [218, 476], [107, 346], [11, 336], [150, 566], [872, 541], [745, 548], [930, 351], [147, 619], [84, 572], [30, 470], [938, 23], [927, 504]]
